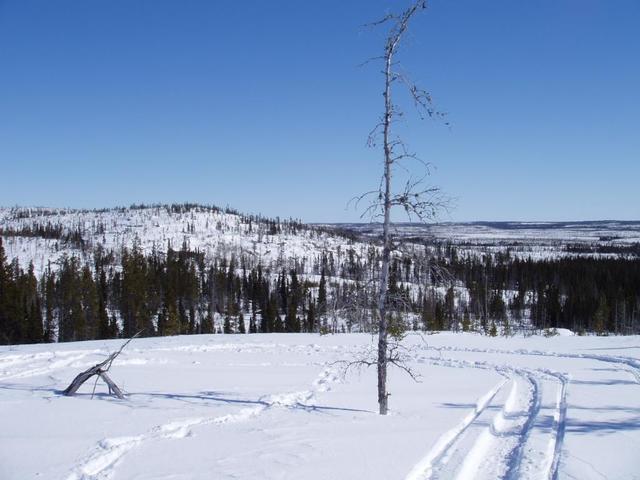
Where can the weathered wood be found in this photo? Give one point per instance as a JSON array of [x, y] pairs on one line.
[[100, 370], [416, 199], [113, 388]]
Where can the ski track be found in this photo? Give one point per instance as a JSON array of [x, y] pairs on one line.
[[101, 462], [632, 365], [424, 469], [53, 361], [516, 458], [559, 424], [499, 451], [488, 445]]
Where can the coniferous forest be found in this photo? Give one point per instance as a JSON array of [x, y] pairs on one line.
[[111, 293]]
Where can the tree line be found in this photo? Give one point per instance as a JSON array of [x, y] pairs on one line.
[[178, 291]]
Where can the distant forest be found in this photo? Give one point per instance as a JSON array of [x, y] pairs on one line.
[[431, 289]]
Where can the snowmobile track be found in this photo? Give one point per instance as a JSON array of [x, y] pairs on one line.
[[631, 365], [505, 440], [424, 469]]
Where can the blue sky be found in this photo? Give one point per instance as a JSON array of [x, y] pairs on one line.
[[262, 105]]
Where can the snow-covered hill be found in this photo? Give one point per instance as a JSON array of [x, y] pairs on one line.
[[44, 235], [276, 406], [216, 232], [216, 269]]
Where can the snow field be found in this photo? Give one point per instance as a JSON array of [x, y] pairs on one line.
[[279, 407]]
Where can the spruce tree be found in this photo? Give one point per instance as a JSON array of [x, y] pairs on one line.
[[15, 300], [292, 324], [90, 305], [439, 317], [493, 331], [241, 327], [171, 319], [207, 323], [311, 316], [48, 284], [33, 332], [466, 321], [252, 323], [601, 316], [322, 294]]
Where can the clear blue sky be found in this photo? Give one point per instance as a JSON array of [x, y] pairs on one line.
[[261, 104]]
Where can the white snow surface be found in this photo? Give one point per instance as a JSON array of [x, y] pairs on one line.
[[222, 235], [523, 240], [278, 406], [531, 233], [215, 233]]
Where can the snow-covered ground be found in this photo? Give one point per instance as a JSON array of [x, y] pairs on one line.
[[217, 234], [524, 240], [496, 233], [278, 407], [222, 235]]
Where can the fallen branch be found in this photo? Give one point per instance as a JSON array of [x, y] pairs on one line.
[[100, 371]]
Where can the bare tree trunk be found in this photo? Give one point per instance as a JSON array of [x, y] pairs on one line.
[[393, 40], [383, 333], [415, 199]]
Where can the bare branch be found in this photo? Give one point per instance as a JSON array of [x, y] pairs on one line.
[[386, 18], [113, 356], [373, 134], [398, 355], [370, 60]]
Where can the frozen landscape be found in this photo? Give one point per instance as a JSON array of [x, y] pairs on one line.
[[341, 321], [42, 236], [284, 405], [279, 406], [536, 240]]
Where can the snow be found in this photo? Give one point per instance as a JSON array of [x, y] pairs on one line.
[[523, 240], [215, 233], [279, 407], [543, 233], [222, 235]]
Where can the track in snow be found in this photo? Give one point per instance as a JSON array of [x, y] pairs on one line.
[[559, 424], [487, 447], [13, 367], [424, 469], [631, 365], [101, 462]]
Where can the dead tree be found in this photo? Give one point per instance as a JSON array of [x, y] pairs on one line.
[[416, 199], [100, 371]]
